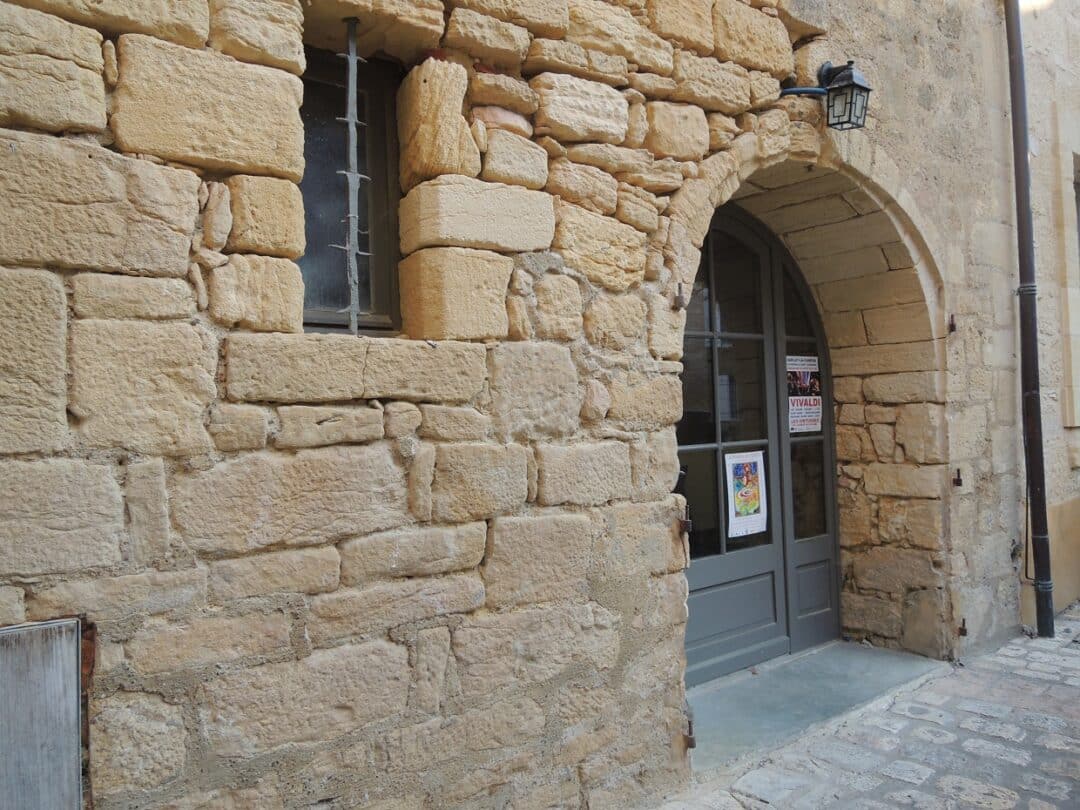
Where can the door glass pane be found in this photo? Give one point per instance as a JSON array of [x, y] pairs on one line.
[[808, 488], [763, 538], [796, 319], [741, 369], [697, 483], [738, 293], [326, 284], [698, 425], [697, 310]]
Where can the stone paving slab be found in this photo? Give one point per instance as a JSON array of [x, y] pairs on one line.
[[1000, 732]]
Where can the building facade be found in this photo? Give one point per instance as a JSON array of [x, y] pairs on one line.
[[361, 404]]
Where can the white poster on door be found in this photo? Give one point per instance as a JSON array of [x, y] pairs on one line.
[[747, 508], [804, 394]]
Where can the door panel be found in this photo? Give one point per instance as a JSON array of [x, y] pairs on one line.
[[757, 596]]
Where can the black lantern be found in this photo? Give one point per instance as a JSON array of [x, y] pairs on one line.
[[848, 95]]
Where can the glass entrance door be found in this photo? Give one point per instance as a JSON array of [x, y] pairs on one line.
[[763, 574]]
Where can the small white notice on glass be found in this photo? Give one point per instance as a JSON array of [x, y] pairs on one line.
[[804, 394], [747, 508]]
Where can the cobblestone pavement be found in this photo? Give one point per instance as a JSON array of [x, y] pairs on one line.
[[1003, 731]]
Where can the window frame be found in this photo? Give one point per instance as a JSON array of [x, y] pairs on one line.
[[378, 81]]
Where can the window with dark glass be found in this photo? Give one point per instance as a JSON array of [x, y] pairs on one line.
[[350, 190]]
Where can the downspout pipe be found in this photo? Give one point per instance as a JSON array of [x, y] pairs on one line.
[[1029, 328]]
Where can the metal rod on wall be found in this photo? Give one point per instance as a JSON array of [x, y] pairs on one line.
[[1029, 328]]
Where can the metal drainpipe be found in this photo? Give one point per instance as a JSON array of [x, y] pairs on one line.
[[1029, 328]]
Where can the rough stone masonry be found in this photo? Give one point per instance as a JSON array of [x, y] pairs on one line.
[[436, 570]]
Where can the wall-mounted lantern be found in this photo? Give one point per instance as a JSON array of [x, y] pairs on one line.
[[846, 93]]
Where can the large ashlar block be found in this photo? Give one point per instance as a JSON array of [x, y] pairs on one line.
[[641, 402], [402, 29], [138, 739], [118, 597], [921, 429], [895, 570], [534, 390], [58, 516], [572, 109], [912, 522], [446, 371], [611, 29], [654, 464], [537, 559], [312, 497], [433, 135], [74, 205], [714, 86], [258, 292], [678, 131], [33, 352], [184, 21], [543, 18], [267, 216], [295, 368], [915, 386], [317, 426], [615, 322], [879, 290], [253, 710], [97, 295], [752, 38], [583, 474], [500, 90], [559, 56], [161, 646], [478, 481], [686, 22], [459, 211], [206, 109], [488, 39], [898, 324], [266, 32], [906, 481], [454, 293], [871, 614], [515, 160], [308, 570], [142, 386], [887, 359], [50, 73], [640, 539], [587, 186], [412, 553], [608, 252]]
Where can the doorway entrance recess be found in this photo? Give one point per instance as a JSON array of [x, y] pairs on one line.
[[757, 456]]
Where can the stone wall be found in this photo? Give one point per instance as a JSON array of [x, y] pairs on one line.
[[442, 568]]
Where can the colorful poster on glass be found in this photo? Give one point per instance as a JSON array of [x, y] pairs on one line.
[[747, 508], [804, 394]]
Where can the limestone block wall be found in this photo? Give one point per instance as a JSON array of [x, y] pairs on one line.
[[440, 569]]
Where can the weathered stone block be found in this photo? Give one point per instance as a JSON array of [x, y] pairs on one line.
[[433, 135], [878, 290], [454, 293], [202, 108], [640, 402], [638, 208], [58, 516], [895, 570], [611, 29], [871, 614], [432, 655], [500, 90], [640, 539], [912, 522], [899, 357], [267, 216], [403, 29], [654, 465], [295, 368], [51, 73], [754, 39], [148, 510], [119, 597], [138, 740], [718, 87], [537, 559], [544, 18], [96, 295], [75, 205], [677, 131], [558, 56], [687, 22], [266, 32], [573, 109], [376, 608], [583, 474], [401, 419], [12, 610], [514, 160], [615, 321], [33, 390], [558, 307], [254, 710], [417, 370], [587, 186], [238, 427], [921, 429], [608, 252], [151, 400], [458, 211], [531, 646], [412, 553], [906, 481], [534, 391], [259, 293], [925, 624], [184, 21], [917, 386], [490, 40], [478, 481], [160, 646], [444, 423], [313, 570], [315, 426], [315, 496]]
